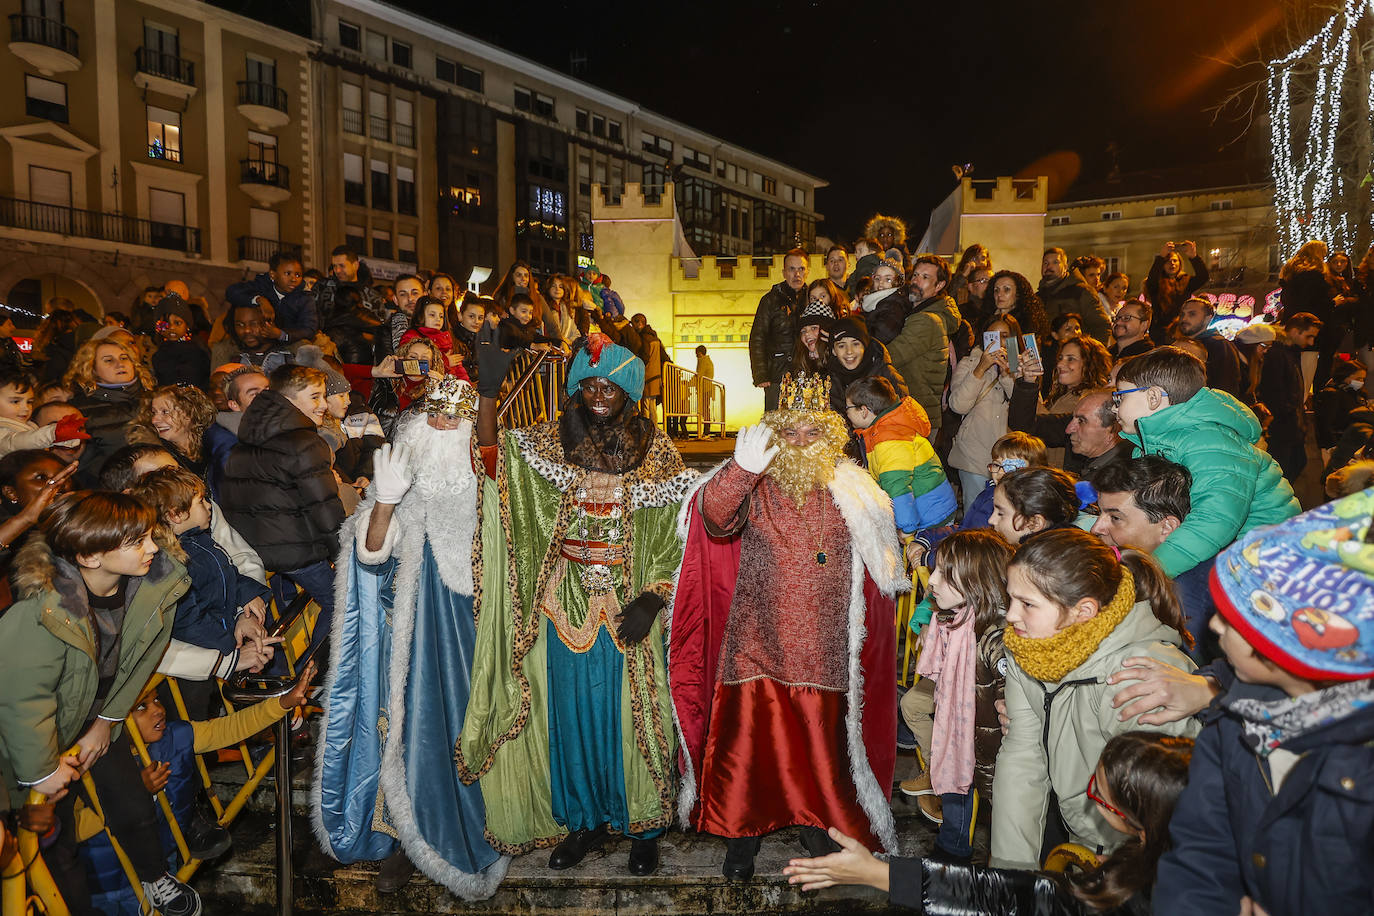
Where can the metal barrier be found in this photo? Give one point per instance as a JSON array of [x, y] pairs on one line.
[[534, 389], [694, 402]]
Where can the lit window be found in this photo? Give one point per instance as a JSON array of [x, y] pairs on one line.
[[164, 134]]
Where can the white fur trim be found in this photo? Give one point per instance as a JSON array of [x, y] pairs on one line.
[[383, 553], [867, 512]]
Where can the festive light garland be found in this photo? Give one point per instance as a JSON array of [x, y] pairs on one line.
[[1307, 185]]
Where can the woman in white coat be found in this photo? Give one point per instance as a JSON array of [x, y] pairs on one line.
[[980, 390]]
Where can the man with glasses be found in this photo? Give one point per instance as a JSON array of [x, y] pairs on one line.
[[1090, 435], [1131, 330], [774, 334]]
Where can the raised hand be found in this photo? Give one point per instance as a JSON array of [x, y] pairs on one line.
[[391, 474], [754, 450], [493, 362]]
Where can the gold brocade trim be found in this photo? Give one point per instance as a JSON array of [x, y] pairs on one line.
[[380, 822], [769, 677]]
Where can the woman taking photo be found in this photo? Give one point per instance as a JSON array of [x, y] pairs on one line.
[[980, 391]]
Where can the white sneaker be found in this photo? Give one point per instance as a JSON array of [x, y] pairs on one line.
[[171, 897]]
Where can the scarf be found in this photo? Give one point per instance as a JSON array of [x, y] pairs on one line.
[[949, 656], [1051, 658], [1271, 724]]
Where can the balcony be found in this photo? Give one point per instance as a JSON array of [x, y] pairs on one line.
[[263, 103], [92, 224], [47, 45], [262, 250], [266, 181], [163, 73], [352, 121], [378, 128], [405, 135]]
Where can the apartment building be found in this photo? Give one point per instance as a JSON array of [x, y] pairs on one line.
[[512, 149], [152, 140]]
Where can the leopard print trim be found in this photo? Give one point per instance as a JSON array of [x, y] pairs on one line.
[[542, 450], [660, 480]]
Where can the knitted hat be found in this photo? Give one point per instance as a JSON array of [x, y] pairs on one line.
[[1302, 592], [602, 359], [334, 381], [174, 305], [849, 327]]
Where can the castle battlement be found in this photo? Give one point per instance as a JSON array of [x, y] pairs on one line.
[[1005, 195], [633, 204], [739, 273]]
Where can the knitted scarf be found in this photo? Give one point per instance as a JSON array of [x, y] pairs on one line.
[[1051, 658]]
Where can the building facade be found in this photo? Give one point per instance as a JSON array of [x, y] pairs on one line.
[[152, 140], [518, 148]]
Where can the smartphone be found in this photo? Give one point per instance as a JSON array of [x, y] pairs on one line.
[[424, 367], [414, 366], [1032, 349], [992, 341], [1011, 355]]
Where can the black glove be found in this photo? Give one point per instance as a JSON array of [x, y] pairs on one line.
[[493, 363], [637, 617]]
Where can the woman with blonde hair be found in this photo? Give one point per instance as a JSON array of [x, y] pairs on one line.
[[109, 384], [1308, 285], [180, 417]]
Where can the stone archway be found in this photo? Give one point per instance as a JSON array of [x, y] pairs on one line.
[[69, 269]]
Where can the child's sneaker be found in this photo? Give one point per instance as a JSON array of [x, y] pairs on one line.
[[917, 786], [932, 808], [170, 897]]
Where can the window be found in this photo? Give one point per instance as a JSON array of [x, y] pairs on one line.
[[1114, 264], [167, 213], [696, 159], [598, 126], [581, 118], [584, 176], [381, 185], [405, 190], [351, 100], [381, 244], [405, 123], [548, 205], [1059, 220], [350, 36], [768, 185], [1111, 214], [523, 100], [355, 192], [376, 45], [50, 186], [617, 180], [164, 134], [1169, 210], [794, 194], [261, 70], [656, 144], [355, 237], [161, 39], [446, 71], [45, 99], [264, 224], [400, 53], [534, 102], [614, 132], [262, 148], [469, 78], [1221, 205], [379, 128], [405, 248]]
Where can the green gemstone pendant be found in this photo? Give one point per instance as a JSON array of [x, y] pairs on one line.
[[821, 558]]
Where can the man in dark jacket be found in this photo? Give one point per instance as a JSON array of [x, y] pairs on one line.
[[774, 334], [1279, 806], [1131, 330], [1224, 367], [1091, 435], [1281, 390], [1063, 290], [279, 488], [350, 310], [282, 288]]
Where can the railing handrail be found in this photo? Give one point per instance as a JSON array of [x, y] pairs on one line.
[[256, 92], [264, 171], [93, 224], [54, 33], [181, 69], [703, 402]]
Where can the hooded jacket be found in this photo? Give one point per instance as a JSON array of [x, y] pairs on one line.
[[863, 267], [904, 463], [1236, 486], [875, 363], [920, 352], [207, 614], [1071, 293], [49, 674], [1304, 849], [110, 415], [774, 333], [279, 488], [1058, 732]]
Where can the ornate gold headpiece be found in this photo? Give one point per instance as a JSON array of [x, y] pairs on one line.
[[452, 397], [805, 392]]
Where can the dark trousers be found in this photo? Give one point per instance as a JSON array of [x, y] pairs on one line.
[[317, 580], [1288, 444], [955, 835], [771, 395]]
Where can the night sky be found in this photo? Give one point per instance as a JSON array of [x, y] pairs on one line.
[[882, 99]]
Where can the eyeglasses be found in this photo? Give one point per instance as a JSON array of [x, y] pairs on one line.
[[1094, 797], [1118, 396], [1128, 318]]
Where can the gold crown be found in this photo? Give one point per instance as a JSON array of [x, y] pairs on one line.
[[452, 397], [805, 392]]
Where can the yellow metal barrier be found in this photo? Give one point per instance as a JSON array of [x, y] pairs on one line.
[[697, 402], [906, 607]]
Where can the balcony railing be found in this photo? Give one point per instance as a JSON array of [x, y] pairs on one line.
[[405, 135], [167, 66], [268, 95], [378, 128], [352, 121], [262, 250], [264, 171], [92, 224], [40, 30]]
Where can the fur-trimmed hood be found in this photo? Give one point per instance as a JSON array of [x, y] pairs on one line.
[[37, 570]]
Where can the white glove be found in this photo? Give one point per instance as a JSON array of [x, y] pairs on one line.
[[754, 450], [391, 473]]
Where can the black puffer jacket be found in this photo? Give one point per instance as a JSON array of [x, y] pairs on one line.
[[278, 489], [940, 889], [774, 334], [110, 415]]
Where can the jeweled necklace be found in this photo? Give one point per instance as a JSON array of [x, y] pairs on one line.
[[821, 558]]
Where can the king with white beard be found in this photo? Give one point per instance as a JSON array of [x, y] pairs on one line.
[[386, 787]]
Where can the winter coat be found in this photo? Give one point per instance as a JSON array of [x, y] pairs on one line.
[[206, 614], [1168, 295], [884, 321], [1071, 293], [49, 674], [863, 267], [273, 354], [182, 362], [947, 889], [903, 461], [1225, 370], [1307, 849], [110, 414], [1332, 406], [1118, 354], [295, 312], [654, 358], [1058, 732], [215, 446], [1282, 390], [773, 336], [1307, 291], [279, 487], [876, 363], [921, 352], [980, 512], [1236, 487], [16, 435], [983, 403], [990, 682]]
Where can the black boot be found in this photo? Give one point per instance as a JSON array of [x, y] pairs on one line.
[[817, 842], [739, 857], [575, 847], [395, 872], [644, 857]]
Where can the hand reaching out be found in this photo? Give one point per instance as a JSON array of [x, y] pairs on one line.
[[300, 694], [853, 864]]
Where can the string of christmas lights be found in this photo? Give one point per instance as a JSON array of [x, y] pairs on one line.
[[1309, 188]]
